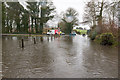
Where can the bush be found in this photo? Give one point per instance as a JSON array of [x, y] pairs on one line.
[[93, 35], [98, 39], [107, 39]]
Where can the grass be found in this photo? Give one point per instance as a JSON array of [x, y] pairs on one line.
[[27, 35], [22, 34], [81, 31]]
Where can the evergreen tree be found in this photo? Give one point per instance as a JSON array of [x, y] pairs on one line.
[[70, 20]]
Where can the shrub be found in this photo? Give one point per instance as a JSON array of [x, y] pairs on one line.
[[78, 32], [98, 39], [93, 35], [107, 39]]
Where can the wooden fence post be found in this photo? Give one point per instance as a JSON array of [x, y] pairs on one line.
[[34, 41], [22, 43]]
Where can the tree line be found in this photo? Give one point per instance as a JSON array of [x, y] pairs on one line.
[[18, 19], [69, 19], [101, 16]]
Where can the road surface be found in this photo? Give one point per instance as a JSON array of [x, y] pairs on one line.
[[58, 57]]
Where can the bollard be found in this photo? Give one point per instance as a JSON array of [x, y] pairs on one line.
[[51, 38], [22, 43], [54, 37], [34, 41], [41, 39], [48, 38]]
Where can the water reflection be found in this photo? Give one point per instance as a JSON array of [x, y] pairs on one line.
[[57, 57], [103, 60]]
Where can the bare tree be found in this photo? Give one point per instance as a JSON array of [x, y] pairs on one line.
[[90, 13], [94, 14]]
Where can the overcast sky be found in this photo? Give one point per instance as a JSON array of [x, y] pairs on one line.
[[63, 5], [78, 5]]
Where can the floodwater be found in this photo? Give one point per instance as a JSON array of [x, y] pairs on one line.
[[57, 57], [0, 57]]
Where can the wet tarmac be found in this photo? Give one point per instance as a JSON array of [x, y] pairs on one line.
[[57, 57]]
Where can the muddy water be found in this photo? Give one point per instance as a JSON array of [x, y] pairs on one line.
[[58, 57], [0, 57]]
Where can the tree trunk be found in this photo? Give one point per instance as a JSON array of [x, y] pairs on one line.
[[11, 27], [3, 17], [32, 25], [7, 25], [100, 18], [41, 28], [18, 27], [36, 26]]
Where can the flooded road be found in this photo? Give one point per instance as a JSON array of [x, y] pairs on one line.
[[58, 57], [0, 57]]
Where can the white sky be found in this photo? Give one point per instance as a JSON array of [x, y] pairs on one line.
[[78, 5], [63, 5]]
